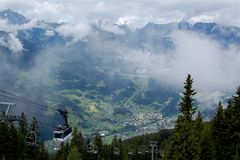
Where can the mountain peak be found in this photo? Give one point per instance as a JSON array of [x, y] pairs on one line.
[[13, 17]]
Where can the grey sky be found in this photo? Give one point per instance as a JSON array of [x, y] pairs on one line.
[[132, 12]]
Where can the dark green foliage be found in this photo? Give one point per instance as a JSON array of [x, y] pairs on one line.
[[22, 124], [218, 139], [207, 145], [74, 154], [221, 134], [99, 145], [236, 120], [106, 151], [13, 145], [78, 142], [187, 107], [4, 139], [13, 142], [61, 155], [185, 141]]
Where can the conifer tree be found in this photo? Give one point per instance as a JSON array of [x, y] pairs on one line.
[[184, 143], [236, 156], [115, 143], [78, 141], [13, 142], [219, 127], [197, 133], [99, 144], [207, 145], [74, 154], [187, 107], [236, 119], [22, 131], [34, 127], [43, 152], [123, 153], [3, 158], [230, 129], [4, 139], [22, 124]]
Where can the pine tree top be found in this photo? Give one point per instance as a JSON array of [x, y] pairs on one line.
[[187, 107]]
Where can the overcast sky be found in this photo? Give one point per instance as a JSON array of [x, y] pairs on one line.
[[131, 12]]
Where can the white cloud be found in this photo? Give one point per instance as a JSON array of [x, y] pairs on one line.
[[144, 11], [126, 20], [77, 32], [12, 42], [15, 44], [5, 26], [202, 18], [3, 42], [49, 33], [110, 27], [202, 57], [213, 67]]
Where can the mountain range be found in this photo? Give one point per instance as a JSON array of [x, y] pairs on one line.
[[100, 72]]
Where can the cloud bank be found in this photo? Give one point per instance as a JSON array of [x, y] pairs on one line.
[[77, 32], [213, 67], [5, 26], [134, 12]]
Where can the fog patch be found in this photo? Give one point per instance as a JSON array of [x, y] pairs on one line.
[[12, 43], [77, 32], [13, 28], [213, 67], [109, 27], [46, 66]]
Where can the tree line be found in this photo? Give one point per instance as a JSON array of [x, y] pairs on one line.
[[13, 144], [193, 139]]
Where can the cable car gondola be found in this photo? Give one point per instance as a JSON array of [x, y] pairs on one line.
[[91, 149], [141, 150], [62, 132], [132, 152], [116, 151], [31, 136]]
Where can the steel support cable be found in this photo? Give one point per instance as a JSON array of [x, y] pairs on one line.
[[28, 111], [27, 117], [28, 100], [16, 99]]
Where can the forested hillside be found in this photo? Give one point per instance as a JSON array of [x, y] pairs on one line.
[[191, 139]]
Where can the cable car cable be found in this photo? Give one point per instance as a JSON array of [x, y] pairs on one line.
[[27, 100]]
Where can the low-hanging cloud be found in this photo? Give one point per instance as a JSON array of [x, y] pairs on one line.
[[213, 67], [13, 28], [12, 43], [77, 32], [110, 27]]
